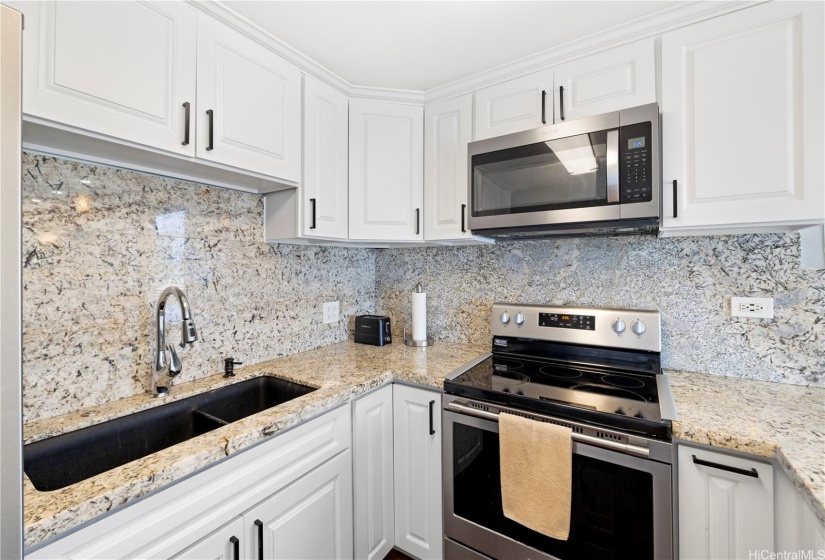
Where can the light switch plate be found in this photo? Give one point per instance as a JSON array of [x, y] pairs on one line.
[[331, 311]]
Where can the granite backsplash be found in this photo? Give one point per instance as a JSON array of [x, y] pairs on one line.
[[100, 244], [689, 279]]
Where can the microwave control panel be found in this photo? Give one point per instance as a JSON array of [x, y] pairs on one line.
[[636, 163]]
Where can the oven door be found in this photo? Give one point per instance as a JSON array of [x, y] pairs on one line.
[[621, 505], [558, 174]]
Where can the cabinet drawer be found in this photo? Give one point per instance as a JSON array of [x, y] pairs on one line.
[[173, 519]]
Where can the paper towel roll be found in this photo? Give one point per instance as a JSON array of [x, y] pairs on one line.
[[419, 314]]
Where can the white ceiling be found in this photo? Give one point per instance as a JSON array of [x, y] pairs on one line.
[[421, 45]]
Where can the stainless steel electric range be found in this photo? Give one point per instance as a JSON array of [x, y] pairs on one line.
[[596, 371]]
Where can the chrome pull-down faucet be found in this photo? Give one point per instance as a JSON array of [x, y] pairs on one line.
[[167, 363]]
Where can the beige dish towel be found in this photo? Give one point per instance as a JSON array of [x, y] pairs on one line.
[[536, 474]]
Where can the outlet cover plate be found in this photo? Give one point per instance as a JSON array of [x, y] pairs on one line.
[[331, 310], [751, 307]]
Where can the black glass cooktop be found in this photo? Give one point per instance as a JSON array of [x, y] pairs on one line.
[[598, 394]]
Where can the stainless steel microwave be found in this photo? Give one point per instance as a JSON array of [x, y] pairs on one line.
[[593, 176]]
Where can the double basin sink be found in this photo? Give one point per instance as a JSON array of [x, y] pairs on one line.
[[63, 460]]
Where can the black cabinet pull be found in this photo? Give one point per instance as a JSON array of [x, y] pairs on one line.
[[675, 205], [744, 472], [463, 209], [236, 547], [417, 221], [432, 429], [259, 524], [186, 108], [211, 114], [543, 106], [561, 102], [312, 201]]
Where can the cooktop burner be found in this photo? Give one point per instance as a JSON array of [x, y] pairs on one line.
[[594, 365], [621, 394]]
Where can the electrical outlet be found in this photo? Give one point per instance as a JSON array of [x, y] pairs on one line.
[[751, 307], [331, 310]]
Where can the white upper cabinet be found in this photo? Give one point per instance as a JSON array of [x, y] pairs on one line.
[[604, 82], [326, 136], [448, 128], [386, 164], [122, 69], [249, 104], [514, 106], [742, 120], [726, 505]]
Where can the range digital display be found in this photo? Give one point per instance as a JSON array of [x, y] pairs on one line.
[[561, 321]]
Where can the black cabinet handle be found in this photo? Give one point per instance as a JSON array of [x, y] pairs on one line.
[[744, 472], [312, 201], [463, 209], [417, 221], [543, 106], [561, 102], [186, 108], [236, 547], [675, 205], [211, 114], [432, 430], [259, 524]]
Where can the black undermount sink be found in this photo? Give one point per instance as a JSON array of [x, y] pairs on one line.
[[62, 460]]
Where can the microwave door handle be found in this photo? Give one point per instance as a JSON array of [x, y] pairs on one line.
[[612, 166]]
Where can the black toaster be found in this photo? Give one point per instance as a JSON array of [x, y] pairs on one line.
[[373, 329]]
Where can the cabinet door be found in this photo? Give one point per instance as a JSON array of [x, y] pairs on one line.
[[309, 519], [372, 448], [326, 135], [513, 106], [742, 118], [417, 427], [723, 513], [254, 97], [123, 69], [608, 81], [448, 128], [222, 544], [386, 169]]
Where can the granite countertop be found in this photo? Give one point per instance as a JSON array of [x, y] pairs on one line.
[[785, 426], [759, 417]]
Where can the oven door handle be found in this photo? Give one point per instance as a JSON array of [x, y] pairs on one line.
[[625, 448]]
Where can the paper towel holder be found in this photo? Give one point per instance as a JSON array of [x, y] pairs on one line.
[[417, 343]]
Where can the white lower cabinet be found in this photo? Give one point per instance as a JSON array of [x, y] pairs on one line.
[[309, 519], [222, 544], [298, 484], [417, 457], [726, 505], [372, 444]]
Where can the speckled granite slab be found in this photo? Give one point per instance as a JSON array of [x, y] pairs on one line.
[[712, 409], [758, 417], [340, 372]]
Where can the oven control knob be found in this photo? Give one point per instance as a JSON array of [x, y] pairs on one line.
[[505, 318], [638, 327], [519, 319], [618, 326]]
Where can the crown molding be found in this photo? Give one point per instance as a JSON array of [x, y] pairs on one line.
[[223, 11], [647, 26], [683, 14]]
